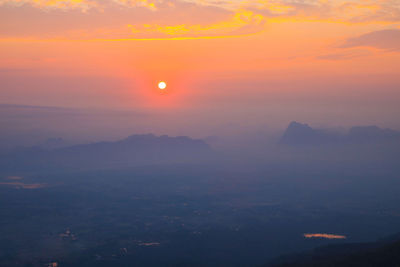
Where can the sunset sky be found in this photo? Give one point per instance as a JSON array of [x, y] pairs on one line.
[[327, 62]]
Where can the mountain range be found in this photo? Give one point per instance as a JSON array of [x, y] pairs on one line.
[[302, 134], [135, 149]]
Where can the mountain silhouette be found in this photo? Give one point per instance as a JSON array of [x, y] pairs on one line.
[[302, 134], [141, 148], [133, 150], [372, 133]]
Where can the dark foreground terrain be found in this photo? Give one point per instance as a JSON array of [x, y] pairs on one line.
[[380, 253], [190, 215]]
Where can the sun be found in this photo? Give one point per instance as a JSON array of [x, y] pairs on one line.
[[162, 85]]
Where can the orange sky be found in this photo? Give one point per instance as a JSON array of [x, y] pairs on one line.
[[271, 61]]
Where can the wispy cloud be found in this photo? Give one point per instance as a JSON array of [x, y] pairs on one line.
[[83, 5], [240, 23], [163, 19], [150, 4], [343, 55], [352, 11], [384, 39]]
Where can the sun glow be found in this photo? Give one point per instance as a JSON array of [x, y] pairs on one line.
[[162, 85]]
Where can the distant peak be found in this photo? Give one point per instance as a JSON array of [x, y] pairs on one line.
[[140, 136], [298, 133], [295, 124]]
